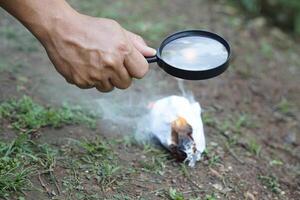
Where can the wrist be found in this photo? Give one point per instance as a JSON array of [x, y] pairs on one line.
[[58, 18]]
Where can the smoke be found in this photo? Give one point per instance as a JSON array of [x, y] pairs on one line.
[[125, 109], [130, 109]]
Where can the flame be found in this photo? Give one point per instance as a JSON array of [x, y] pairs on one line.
[[179, 122]]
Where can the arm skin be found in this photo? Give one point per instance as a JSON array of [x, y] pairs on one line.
[[86, 51]]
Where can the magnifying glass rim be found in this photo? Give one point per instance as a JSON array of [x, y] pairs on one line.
[[193, 74]]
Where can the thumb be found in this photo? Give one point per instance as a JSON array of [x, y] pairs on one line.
[[139, 43]]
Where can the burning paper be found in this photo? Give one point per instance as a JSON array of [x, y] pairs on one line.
[[176, 123]]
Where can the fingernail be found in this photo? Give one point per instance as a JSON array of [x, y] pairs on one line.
[[153, 51]]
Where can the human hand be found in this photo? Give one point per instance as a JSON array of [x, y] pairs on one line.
[[87, 51], [94, 52]]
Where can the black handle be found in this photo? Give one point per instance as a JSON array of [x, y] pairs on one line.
[[151, 59]]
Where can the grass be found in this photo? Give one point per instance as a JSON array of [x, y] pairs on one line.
[[266, 49], [20, 159], [234, 123], [25, 115], [13, 176], [271, 182], [211, 197], [175, 195], [214, 160], [285, 107], [254, 148], [96, 158], [154, 161], [93, 163], [85, 161]]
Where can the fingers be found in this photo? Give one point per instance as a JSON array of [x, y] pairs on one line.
[[136, 64], [121, 79], [104, 86], [139, 43]]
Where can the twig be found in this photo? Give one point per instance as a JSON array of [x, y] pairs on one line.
[[110, 183], [195, 184], [44, 185], [192, 191], [231, 152], [140, 180], [158, 190], [55, 182]]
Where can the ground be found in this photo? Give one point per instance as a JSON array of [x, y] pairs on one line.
[[251, 114]]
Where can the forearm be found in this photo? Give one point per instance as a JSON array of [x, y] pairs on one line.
[[87, 51], [39, 16]]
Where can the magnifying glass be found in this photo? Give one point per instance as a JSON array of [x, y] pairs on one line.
[[193, 55]]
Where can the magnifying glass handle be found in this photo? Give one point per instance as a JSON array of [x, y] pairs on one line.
[[151, 59]]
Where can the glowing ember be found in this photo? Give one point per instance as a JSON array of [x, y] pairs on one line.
[[176, 123]]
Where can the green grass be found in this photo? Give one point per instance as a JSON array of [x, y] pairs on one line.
[[96, 157], [234, 123], [254, 148], [84, 161], [154, 161], [175, 195], [25, 115], [13, 176], [266, 49], [213, 160], [211, 197], [271, 182], [20, 159], [211, 156], [285, 107]]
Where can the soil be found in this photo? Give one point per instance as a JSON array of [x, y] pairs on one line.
[[264, 72]]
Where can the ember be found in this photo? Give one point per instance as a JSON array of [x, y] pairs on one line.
[[176, 123]]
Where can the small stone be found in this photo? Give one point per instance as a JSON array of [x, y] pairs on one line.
[[214, 144], [215, 173], [53, 193], [218, 186], [249, 196], [290, 138]]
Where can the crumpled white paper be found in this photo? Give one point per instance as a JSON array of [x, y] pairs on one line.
[[169, 109]]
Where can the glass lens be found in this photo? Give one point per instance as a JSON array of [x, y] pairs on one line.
[[195, 53]]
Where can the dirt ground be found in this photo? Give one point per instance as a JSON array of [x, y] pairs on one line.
[[250, 113]]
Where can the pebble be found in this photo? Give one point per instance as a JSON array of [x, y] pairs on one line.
[[215, 173], [218, 186], [290, 138], [249, 196]]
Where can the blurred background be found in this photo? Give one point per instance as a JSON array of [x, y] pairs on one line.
[[250, 113]]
